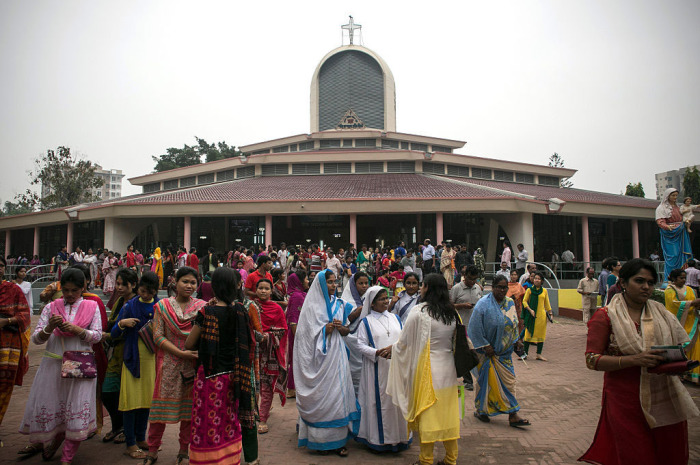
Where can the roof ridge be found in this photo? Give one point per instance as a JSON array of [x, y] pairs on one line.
[[480, 186]]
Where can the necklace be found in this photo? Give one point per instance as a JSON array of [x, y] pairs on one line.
[[385, 327]]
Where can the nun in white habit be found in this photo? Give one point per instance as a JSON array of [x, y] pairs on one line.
[[355, 293], [328, 410], [382, 426]]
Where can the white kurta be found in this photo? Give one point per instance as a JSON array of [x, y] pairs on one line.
[[390, 432], [57, 405]]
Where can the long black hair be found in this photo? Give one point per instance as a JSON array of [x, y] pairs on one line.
[[225, 282], [437, 298]]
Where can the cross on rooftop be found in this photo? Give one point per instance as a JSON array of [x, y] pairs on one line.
[[351, 26]]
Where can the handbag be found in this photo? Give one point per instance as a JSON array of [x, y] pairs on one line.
[[78, 364], [465, 357], [146, 336]]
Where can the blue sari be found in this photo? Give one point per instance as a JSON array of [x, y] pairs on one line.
[[494, 324]]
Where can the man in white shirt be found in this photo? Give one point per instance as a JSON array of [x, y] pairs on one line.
[[505, 271], [282, 255], [588, 288], [567, 256], [464, 295], [521, 260], [428, 258], [530, 268], [333, 264], [692, 276]]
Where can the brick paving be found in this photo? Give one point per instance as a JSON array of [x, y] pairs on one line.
[[561, 398]]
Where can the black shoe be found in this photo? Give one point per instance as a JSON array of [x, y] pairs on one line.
[[469, 386]]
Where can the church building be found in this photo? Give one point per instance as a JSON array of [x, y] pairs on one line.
[[353, 178]]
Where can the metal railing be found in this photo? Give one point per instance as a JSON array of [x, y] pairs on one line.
[[491, 268]]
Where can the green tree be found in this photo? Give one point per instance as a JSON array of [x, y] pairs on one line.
[[634, 190], [556, 161], [65, 180], [192, 155], [691, 184], [15, 208]]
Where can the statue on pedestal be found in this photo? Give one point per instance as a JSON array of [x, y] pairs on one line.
[[675, 240]]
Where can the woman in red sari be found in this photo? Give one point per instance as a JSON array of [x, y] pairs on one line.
[[644, 416], [14, 338], [273, 351]]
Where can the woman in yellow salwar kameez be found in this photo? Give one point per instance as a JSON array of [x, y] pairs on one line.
[[422, 375], [157, 265], [682, 302], [536, 307]]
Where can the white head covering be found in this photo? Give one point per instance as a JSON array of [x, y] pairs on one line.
[[665, 208], [369, 297], [321, 370]]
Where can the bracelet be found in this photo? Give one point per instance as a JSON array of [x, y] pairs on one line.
[[119, 325], [619, 362], [43, 330]]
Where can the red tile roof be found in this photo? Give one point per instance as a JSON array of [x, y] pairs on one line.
[[324, 187], [566, 194], [370, 186]]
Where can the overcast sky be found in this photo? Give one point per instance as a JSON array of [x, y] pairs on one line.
[[612, 86]]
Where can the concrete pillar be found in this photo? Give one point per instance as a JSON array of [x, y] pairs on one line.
[[635, 238], [8, 242], [353, 229], [37, 239], [69, 237], [188, 233], [520, 230], [268, 230], [439, 226], [585, 240]]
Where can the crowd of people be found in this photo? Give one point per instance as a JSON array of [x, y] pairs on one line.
[[362, 340]]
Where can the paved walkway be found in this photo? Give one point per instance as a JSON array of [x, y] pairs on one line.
[[561, 398]]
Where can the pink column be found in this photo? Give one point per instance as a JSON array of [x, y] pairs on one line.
[[37, 238], [69, 237], [188, 233], [8, 242], [353, 230], [586, 242], [268, 229], [438, 228], [635, 238]]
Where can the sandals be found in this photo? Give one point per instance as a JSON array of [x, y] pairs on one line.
[[181, 458], [31, 449], [263, 428], [137, 454], [520, 423], [109, 437], [121, 439], [540, 358], [150, 460], [342, 452], [482, 417]]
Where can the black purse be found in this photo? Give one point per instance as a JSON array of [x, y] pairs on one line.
[[465, 357]]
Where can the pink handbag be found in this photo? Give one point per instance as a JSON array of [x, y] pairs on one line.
[[78, 364]]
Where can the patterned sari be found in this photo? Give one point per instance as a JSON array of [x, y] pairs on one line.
[[172, 396], [223, 393], [495, 324], [14, 342]]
